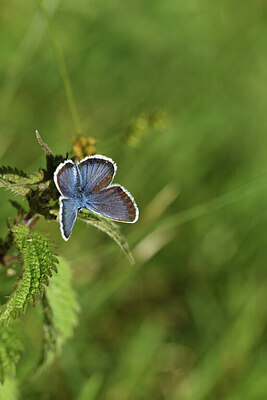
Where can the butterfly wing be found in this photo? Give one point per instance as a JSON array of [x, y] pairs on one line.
[[97, 172], [114, 202], [67, 178], [67, 216]]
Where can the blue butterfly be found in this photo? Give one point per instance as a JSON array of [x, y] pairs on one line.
[[87, 184]]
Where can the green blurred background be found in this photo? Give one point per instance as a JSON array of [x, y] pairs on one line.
[[187, 81]]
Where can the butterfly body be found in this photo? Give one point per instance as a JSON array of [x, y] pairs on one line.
[[87, 184]]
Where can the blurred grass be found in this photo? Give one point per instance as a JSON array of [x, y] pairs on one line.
[[189, 321]]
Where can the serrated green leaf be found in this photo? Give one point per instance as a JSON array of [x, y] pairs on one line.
[[18, 182], [38, 261], [10, 349], [35, 178], [12, 175], [111, 229], [60, 312]]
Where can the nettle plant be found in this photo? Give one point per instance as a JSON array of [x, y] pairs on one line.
[[32, 257]]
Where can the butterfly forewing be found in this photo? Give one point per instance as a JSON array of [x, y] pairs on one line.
[[114, 202], [67, 178], [68, 215], [97, 172]]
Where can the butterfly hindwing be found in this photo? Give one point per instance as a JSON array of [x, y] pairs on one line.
[[68, 215], [97, 172], [115, 203]]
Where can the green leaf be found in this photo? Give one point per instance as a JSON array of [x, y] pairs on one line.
[[12, 175], [60, 309], [18, 182], [10, 349], [110, 229], [38, 259], [35, 178]]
